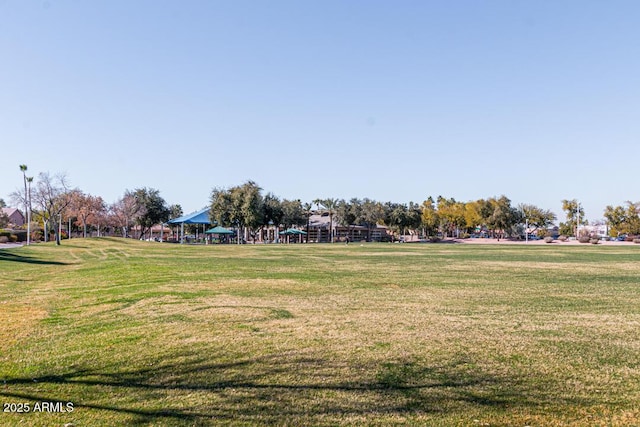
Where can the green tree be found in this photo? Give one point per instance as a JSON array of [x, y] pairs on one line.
[[248, 200], [536, 217], [153, 209], [240, 206], [348, 214], [272, 210], [293, 213], [2, 204], [175, 211], [623, 220], [575, 216], [372, 214], [401, 217], [395, 217], [221, 210], [414, 216], [633, 219], [503, 218], [616, 219], [4, 219]]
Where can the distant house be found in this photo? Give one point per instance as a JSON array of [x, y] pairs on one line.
[[16, 218]]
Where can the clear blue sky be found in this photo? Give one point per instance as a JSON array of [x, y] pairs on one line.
[[391, 100]]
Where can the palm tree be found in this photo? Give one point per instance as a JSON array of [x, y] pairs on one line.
[[307, 209], [330, 205]]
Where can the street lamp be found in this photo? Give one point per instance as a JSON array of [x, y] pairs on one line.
[[28, 197], [578, 222]]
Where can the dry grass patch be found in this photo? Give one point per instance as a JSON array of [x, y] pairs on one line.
[[17, 322]]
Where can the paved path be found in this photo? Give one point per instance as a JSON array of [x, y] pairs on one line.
[[10, 245]]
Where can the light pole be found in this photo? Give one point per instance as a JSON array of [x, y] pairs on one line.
[[28, 196], [578, 222], [23, 169]]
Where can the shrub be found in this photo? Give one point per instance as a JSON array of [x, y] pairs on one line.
[[21, 235], [584, 239], [636, 240], [548, 239], [594, 240], [14, 235], [4, 239], [562, 238]]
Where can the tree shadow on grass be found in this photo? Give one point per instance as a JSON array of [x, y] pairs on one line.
[[290, 386], [14, 257]]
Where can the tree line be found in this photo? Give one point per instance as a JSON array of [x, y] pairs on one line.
[[50, 202], [54, 206]]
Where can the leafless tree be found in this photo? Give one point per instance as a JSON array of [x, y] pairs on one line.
[[52, 196]]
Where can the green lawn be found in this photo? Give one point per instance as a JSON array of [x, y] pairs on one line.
[[136, 333]]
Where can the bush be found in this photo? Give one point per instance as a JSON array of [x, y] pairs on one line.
[[4, 239], [562, 238], [594, 240], [21, 235], [636, 240], [13, 236], [548, 239]]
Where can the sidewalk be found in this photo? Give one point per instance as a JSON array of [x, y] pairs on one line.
[[10, 245]]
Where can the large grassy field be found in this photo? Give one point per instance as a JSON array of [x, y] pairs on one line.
[[137, 333]]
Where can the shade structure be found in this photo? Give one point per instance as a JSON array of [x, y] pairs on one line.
[[292, 231], [199, 217], [219, 230]]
